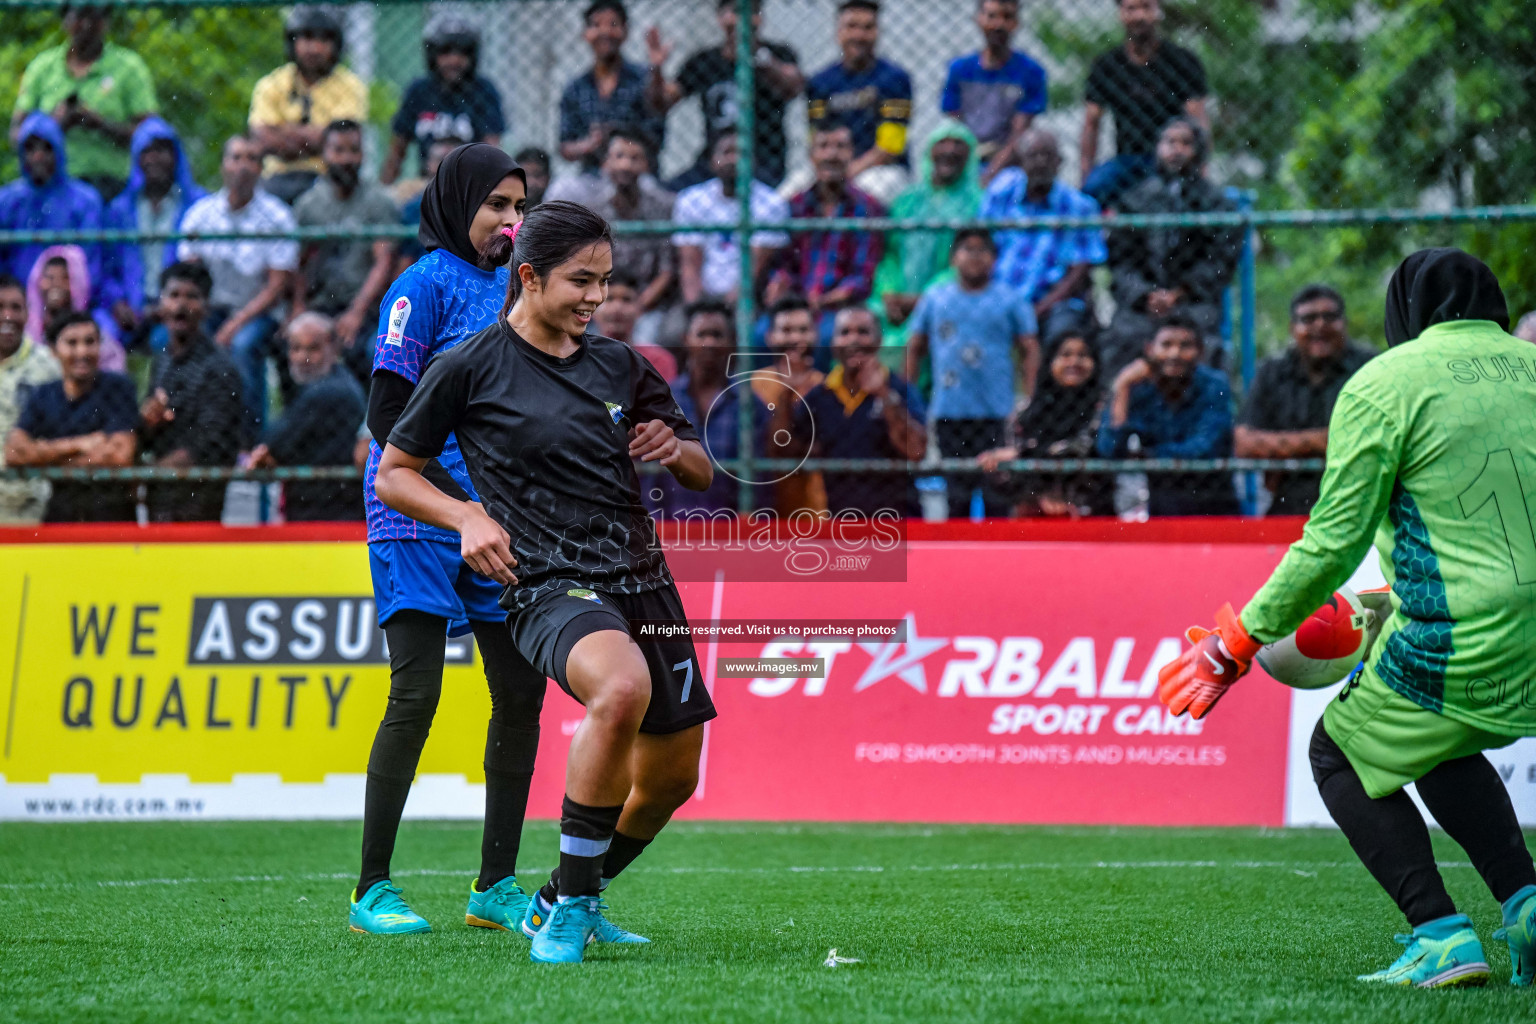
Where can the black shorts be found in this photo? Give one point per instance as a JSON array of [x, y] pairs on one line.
[[546, 631]]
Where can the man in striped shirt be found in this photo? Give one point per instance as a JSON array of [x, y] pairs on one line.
[[831, 269]]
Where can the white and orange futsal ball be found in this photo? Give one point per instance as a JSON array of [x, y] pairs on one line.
[[1324, 648]]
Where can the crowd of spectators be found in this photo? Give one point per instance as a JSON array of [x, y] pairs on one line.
[[897, 345]]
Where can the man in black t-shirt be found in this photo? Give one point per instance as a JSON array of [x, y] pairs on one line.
[[710, 74], [449, 102], [85, 419], [195, 409], [1293, 393], [567, 493], [1145, 83]]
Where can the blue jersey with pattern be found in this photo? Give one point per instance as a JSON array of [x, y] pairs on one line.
[[438, 302]]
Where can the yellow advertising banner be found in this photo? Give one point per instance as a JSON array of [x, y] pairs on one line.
[[206, 661]]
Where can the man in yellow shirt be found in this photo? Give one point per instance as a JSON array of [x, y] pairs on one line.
[[291, 106]]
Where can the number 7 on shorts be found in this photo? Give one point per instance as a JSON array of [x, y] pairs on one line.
[[687, 665]]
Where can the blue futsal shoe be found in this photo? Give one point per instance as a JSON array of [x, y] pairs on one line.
[[1441, 954], [501, 906], [1520, 932], [382, 911], [565, 933], [606, 931]]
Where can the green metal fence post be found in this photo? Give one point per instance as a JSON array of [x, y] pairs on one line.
[[746, 167]]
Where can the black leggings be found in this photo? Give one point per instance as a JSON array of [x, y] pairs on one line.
[[1467, 799], [416, 643]]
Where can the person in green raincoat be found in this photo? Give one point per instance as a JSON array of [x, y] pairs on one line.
[[948, 186]]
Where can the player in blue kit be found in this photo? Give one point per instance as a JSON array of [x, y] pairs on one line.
[[423, 590]]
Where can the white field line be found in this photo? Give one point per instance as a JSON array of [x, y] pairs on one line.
[[1298, 867]]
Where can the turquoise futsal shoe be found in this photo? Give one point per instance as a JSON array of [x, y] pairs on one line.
[[501, 906], [382, 911], [607, 931], [1520, 932], [563, 938], [1440, 954]]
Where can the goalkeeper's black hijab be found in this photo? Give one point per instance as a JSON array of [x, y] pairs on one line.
[[1433, 286]]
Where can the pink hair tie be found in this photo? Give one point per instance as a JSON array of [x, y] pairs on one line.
[[512, 231]]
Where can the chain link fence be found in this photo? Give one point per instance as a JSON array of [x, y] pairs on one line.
[[973, 258]]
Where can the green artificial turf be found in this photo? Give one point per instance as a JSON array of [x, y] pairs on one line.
[[247, 921]]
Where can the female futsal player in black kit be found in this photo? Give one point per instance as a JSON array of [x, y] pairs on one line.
[[548, 419]]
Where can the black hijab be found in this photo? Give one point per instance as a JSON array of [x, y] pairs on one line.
[[1433, 286], [1057, 413], [463, 180]]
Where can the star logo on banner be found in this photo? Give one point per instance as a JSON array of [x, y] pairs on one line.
[[906, 666]]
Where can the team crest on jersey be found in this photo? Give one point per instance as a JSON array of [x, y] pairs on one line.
[[615, 410], [399, 314], [585, 595]]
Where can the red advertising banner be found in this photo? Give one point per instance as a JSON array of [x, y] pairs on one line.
[[1024, 691]]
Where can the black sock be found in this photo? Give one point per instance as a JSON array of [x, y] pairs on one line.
[[621, 854], [511, 746], [506, 797], [585, 834], [416, 642], [1469, 800], [1388, 835], [383, 803]]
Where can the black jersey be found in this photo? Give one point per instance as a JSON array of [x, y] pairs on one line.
[[546, 442]]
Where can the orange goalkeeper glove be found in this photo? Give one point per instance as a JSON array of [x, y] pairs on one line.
[[1198, 678]]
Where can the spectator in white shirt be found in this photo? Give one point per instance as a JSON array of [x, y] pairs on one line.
[[709, 265], [250, 278]]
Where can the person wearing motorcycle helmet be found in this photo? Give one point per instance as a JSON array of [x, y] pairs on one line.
[[291, 106], [450, 101]]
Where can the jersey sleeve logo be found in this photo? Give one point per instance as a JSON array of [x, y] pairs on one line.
[[615, 410], [399, 316]]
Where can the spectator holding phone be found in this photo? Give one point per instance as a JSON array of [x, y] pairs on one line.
[[97, 92]]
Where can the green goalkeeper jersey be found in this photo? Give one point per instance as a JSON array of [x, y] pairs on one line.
[[1432, 455]]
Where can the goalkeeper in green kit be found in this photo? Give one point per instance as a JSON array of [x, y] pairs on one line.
[[1431, 456]]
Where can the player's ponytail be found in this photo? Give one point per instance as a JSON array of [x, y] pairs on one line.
[[550, 234]]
